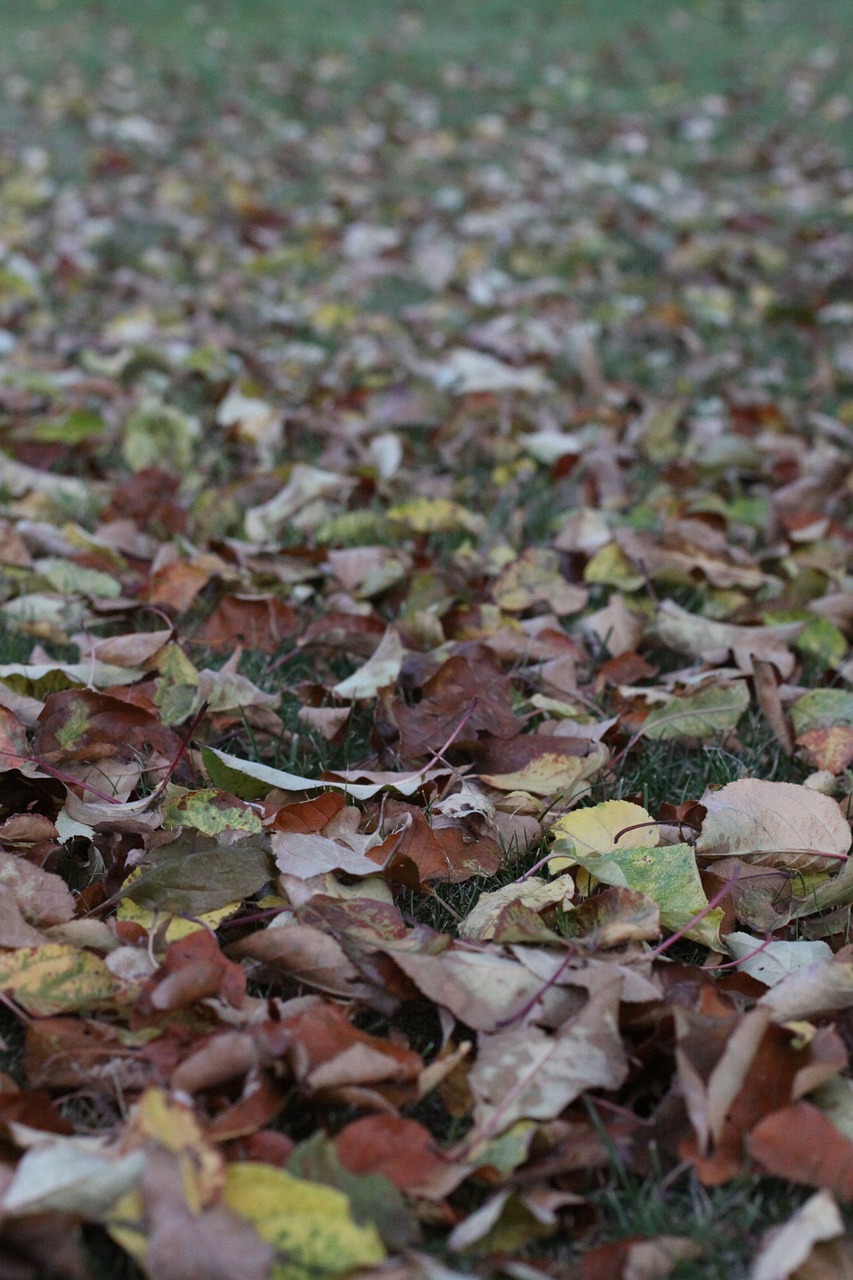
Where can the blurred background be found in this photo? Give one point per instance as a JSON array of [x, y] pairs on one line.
[[674, 44]]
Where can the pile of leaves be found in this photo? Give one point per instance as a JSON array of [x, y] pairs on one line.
[[426, 710]]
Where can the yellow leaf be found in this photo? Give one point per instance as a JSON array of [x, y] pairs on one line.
[[159, 1119], [595, 830], [536, 895], [55, 979], [552, 774], [612, 567], [535, 578], [171, 1124], [309, 1225], [159, 1122], [436, 515]]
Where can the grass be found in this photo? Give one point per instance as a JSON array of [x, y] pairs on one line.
[[725, 1223], [658, 771], [697, 45]]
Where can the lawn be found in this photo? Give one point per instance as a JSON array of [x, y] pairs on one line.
[[426, 699]]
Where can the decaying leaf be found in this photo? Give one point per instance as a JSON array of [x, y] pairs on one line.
[[779, 822], [668, 875], [526, 1072], [697, 715], [534, 896], [54, 978]]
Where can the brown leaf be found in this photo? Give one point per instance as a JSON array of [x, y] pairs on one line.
[[133, 650], [526, 1072], [308, 816], [799, 1143], [440, 853], [328, 1054], [468, 693], [14, 930], [782, 823], [638, 1259], [193, 969], [69, 1053], [767, 691], [177, 584], [14, 748], [829, 748], [223, 1057], [402, 1150], [713, 641], [43, 898], [308, 955], [80, 724], [255, 622]]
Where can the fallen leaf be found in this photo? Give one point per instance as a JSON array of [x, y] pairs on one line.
[[669, 877], [72, 1175], [784, 1249], [524, 1071], [613, 824], [380, 670], [697, 715], [784, 824], [799, 1143], [308, 1225], [55, 979]]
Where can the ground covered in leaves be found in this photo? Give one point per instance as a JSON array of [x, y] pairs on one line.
[[426, 703]]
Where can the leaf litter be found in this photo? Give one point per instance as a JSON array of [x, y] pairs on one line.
[[385, 489]]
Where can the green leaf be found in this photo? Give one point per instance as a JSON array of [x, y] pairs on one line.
[[820, 639], [194, 874], [159, 435], [209, 811], [822, 709], [698, 715], [73, 428], [239, 784], [669, 876]]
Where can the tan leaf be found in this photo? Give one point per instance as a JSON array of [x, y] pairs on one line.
[[524, 1071], [784, 824]]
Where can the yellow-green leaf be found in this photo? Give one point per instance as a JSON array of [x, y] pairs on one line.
[[822, 640], [610, 825], [69, 578], [552, 774], [612, 567], [157, 434], [436, 515], [55, 979], [669, 876], [822, 709], [535, 578], [698, 715], [309, 1225], [209, 811]]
